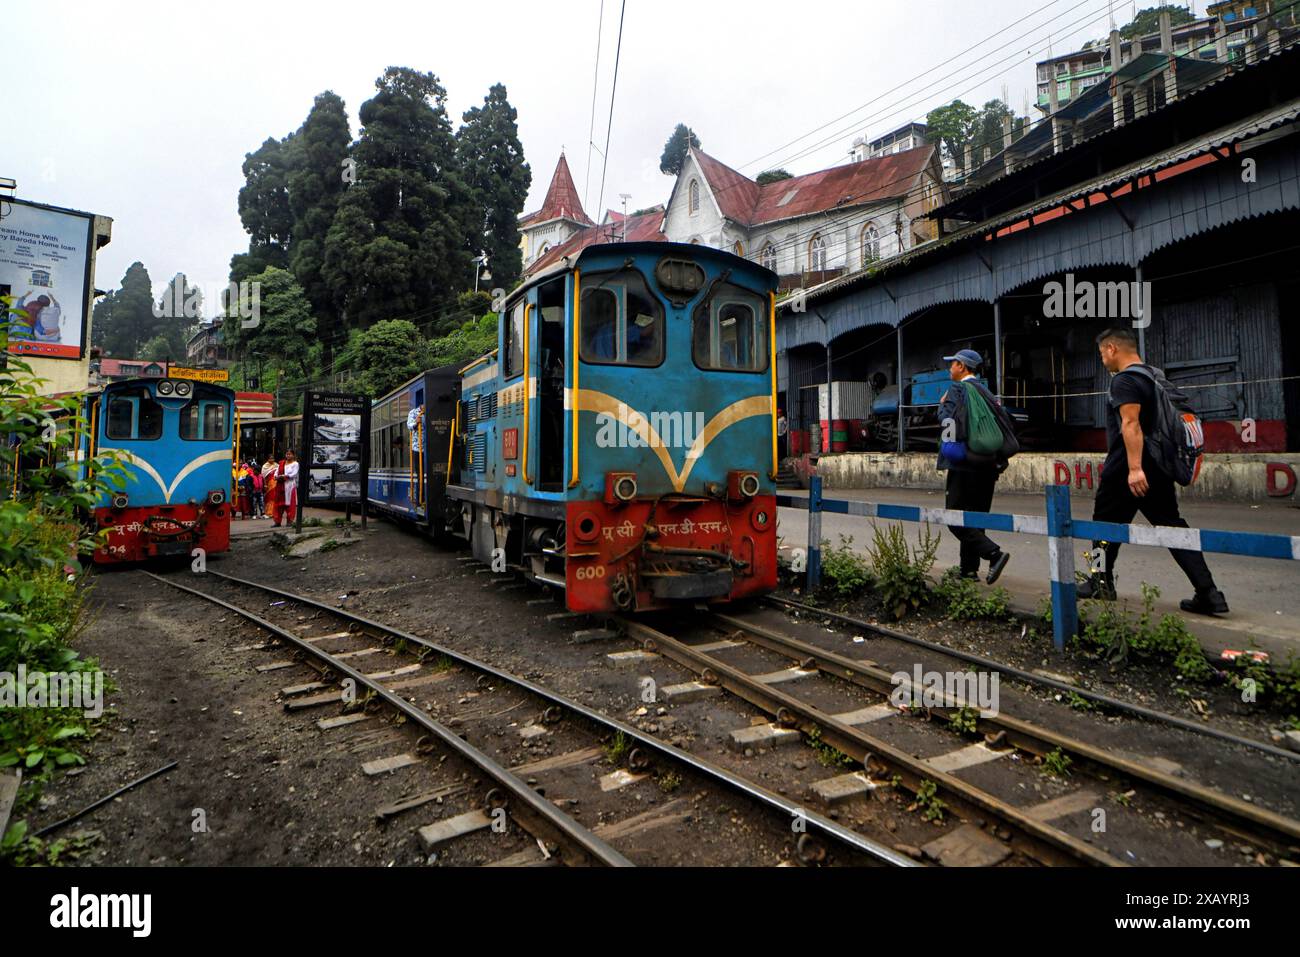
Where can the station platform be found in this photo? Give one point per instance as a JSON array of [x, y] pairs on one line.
[[1264, 594], [244, 527]]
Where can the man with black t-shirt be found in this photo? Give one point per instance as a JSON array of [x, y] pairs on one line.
[[1132, 482]]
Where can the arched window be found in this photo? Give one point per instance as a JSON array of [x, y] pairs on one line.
[[817, 253], [870, 244], [738, 248], [543, 250], [695, 196], [769, 256], [695, 241]]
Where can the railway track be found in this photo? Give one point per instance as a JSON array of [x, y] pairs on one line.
[[852, 731], [348, 638]]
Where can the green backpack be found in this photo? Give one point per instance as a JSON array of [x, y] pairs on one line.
[[983, 434]]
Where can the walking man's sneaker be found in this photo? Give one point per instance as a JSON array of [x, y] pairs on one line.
[[1208, 601], [996, 564]]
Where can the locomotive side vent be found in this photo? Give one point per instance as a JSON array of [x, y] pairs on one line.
[[478, 452]]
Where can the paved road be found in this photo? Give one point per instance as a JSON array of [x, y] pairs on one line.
[[1264, 594]]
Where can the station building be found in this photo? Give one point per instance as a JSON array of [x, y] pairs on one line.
[[1168, 197]]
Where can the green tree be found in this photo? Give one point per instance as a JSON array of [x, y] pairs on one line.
[[674, 154], [772, 176], [264, 200], [388, 353], [1147, 21], [474, 338], [988, 129], [398, 243], [953, 126], [491, 158], [286, 329], [316, 185], [129, 320]]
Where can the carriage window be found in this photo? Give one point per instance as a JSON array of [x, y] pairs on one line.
[[622, 321], [205, 420], [133, 415], [515, 340], [730, 331]]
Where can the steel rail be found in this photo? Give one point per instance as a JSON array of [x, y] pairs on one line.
[[1028, 676], [823, 825], [1247, 820], [1040, 841], [541, 814]]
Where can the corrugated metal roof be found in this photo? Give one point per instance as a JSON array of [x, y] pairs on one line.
[[1258, 123], [1292, 51]]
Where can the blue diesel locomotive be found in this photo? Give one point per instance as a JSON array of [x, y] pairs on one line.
[[176, 438], [620, 442]]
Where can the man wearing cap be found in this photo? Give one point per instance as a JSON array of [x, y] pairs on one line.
[[971, 478]]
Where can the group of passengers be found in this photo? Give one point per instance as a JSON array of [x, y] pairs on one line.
[[269, 491]]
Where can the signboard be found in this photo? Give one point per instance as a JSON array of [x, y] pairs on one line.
[[336, 447], [199, 375], [45, 266]]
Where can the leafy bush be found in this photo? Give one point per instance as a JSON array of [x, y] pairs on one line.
[[1114, 633], [843, 569], [964, 600], [903, 573], [43, 493]]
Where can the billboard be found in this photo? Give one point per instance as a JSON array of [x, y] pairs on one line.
[[45, 266], [336, 456]]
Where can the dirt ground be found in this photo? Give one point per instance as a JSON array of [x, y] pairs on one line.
[[257, 786]]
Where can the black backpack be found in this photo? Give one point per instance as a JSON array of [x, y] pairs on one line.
[[1177, 440]]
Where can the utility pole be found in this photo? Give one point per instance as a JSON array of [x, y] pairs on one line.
[[625, 197]]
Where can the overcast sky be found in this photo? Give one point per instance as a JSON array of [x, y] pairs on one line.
[[145, 111]]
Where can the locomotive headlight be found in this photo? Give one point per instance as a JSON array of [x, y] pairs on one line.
[[183, 388], [216, 497], [625, 488], [120, 500], [165, 388], [749, 485]]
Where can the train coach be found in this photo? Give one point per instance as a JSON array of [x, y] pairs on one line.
[[620, 442], [176, 439]]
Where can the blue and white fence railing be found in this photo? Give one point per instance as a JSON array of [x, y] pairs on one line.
[[1061, 530]]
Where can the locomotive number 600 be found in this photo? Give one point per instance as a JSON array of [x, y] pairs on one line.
[[590, 571]]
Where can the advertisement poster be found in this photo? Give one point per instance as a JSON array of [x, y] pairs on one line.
[[44, 263], [336, 430]]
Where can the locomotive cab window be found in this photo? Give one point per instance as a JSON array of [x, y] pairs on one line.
[[622, 321], [205, 419], [514, 340], [133, 415], [730, 331]]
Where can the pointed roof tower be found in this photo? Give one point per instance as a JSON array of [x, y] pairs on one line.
[[561, 200]]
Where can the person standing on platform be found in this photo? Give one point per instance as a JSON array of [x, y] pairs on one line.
[[287, 474], [971, 476], [273, 492]]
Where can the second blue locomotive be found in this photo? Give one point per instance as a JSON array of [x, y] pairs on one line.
[[621, 440]]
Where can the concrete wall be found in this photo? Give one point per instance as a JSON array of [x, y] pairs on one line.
[[1224, 478]]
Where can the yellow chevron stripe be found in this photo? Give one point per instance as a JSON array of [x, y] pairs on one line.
[[589, 400]]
